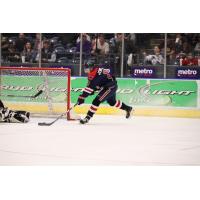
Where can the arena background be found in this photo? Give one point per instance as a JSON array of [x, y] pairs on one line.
[[157, 73], [107, 182]]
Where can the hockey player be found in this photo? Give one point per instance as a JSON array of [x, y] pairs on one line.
[[100, 79], [11, 116]]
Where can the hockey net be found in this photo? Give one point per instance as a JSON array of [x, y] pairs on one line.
[[44, 92]]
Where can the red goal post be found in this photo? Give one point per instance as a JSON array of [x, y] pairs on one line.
[[19, 87]]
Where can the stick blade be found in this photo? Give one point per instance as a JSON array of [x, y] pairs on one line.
[[40, 92], [44, 124]]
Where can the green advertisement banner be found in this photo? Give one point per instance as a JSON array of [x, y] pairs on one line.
[[18, 86], [173, 93], [149, 92]]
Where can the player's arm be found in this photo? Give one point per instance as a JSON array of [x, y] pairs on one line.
[[86, 92]]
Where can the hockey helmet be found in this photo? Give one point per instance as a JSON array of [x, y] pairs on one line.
[[89, 66]]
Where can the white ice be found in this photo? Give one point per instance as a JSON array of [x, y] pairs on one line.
[[106, 140]]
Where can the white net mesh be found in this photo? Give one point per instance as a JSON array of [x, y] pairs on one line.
[[41, 91]]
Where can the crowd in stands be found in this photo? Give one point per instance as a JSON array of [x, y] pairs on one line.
[[139, 49], [183, 49]]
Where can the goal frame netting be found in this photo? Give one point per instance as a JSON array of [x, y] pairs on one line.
[[65, 70]]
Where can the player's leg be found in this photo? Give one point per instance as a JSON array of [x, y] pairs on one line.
[[21, 116], [102, 96], [10, 116], [118, 104], [91, 111], [17, 117]]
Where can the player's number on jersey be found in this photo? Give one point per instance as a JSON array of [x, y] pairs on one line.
[[105, 72]]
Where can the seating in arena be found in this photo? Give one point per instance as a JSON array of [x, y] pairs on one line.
[[139, 49]]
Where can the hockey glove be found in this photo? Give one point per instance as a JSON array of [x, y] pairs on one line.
[[80, 100], [4, 114]]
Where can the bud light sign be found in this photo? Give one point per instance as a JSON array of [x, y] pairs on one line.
[[143, 72], [187, 73]]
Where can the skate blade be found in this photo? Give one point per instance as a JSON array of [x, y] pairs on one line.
[[131, 114]]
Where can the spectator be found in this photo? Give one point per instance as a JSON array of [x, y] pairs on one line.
[[197, 46], [4, 43], [13, 56], [20, 42], [118, 51], [187, 48], [100, 46], [118, 43], [129, 49], [4, 47], [128, 43], [28, 55], [171, 54], [178, 43], [180, 57], [86, 45], [132, 38], [156, 59], [189, 61], [36, 45], [68, 39], [85, 35], [47, 54], [195, 39]]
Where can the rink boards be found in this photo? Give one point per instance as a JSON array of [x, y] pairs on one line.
[[149, 97], [107, 110]]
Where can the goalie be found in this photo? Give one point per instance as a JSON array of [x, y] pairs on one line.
[[102, 80], [11, 116]]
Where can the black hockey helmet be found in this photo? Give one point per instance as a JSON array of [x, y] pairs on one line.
[[89, 65]]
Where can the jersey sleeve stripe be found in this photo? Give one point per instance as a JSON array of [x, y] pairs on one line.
[[88, 90]]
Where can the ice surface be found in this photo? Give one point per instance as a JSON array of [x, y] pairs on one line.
[[106, 140]]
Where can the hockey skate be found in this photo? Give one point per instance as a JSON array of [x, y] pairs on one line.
[[85, 120], [129, 112], [23, 116]]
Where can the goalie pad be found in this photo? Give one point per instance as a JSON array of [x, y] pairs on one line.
[[10, 116], [1, 104]]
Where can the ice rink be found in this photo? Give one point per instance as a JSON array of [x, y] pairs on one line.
[[106, 140]]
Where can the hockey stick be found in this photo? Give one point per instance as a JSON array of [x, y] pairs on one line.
[[33, 96], [59, 117]]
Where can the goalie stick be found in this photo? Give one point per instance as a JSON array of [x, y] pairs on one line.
[[59, 117], [33, 96]]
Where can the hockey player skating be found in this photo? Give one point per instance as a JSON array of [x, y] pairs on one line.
[[100, 79], [7, 115]]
